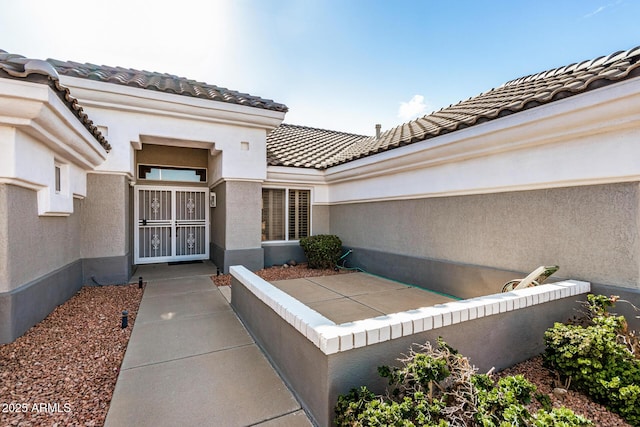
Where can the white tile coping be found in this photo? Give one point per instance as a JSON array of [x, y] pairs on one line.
[[332, 338]]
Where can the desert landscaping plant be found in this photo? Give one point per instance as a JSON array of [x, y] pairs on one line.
[[600, 357], [436, 386], [322, 250]]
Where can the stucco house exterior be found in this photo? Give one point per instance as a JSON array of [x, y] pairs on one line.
[[105, 168]]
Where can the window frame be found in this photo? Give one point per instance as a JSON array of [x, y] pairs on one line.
[[195, 169], [287, 189], [57, 177]]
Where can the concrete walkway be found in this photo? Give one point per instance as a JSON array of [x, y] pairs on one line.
[[190, 362]]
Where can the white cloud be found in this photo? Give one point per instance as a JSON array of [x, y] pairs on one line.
[[595, 12], [601, 8], [414, 108]]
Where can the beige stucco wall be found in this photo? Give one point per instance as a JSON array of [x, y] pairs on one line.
[[218, 216], [320, 223], [105, 220], [31, 245], [235, 221], [591, 232], [4, 238], [243, 202]]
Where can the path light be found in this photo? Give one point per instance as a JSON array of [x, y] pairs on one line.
[[140, 282], [125, 319]]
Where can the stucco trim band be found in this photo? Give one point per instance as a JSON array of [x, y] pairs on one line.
[[331, 338]]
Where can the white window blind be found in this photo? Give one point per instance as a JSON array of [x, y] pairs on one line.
[[273, 217], [284, 209], [298, 214]]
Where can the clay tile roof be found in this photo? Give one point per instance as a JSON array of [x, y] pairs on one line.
[[512, 97], [34, 70], [301, 146], [163, 83]]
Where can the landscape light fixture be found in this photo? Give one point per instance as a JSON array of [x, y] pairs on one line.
[[125, 318]]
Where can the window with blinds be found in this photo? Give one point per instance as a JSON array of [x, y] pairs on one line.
[[298, 214], [285, 214], [273, 219]]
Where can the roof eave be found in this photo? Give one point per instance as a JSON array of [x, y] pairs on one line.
[[591, 112], [38, 111], [97, 94]]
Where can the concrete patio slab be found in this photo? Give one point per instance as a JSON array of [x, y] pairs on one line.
[[226, 292], [190, 361], [173, 306], [344, 310], [401, 300], [296, 419], [234, 387], [156, 272], [349, 297], [156, 342], [305, 290], [184, 285], [356, 283]]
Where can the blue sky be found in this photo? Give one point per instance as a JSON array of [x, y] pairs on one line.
[[337, 64]]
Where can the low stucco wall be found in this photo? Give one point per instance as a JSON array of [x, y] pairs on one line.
[[25, 306], [320, 360], [298, 361]]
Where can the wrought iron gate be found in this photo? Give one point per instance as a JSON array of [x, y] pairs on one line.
[[172, 224]]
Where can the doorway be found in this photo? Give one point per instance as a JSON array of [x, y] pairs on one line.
[[171, 224]]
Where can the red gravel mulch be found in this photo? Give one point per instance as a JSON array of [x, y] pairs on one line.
[[63, 371], [534, 371], [271, 274]]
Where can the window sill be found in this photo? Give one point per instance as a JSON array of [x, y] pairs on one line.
[[280, 242]]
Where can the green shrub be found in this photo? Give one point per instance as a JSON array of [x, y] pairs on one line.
[[322, 250], [438, 387], [596, 360], [558, 417], [504, 401]]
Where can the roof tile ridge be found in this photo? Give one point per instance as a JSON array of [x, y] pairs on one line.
[[322, 129], [600, 60], [110, 75]]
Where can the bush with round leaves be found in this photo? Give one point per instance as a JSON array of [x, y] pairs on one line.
[[322, 250], [596, 356]]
